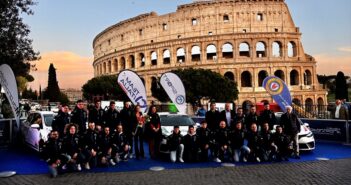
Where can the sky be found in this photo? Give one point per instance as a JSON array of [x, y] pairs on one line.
[[63, 31]]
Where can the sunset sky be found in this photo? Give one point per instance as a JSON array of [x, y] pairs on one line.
[[63, 31]]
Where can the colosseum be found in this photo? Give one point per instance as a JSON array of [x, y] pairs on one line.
[[244, 40]]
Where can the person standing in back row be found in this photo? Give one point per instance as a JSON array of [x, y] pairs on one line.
[[291, 127], [112, 117], [212, 117], [80, 117], [126, 121]]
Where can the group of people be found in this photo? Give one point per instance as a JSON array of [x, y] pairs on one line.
[[112, 135]]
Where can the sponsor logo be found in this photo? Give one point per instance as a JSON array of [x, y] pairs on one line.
[[180, 99], [274, 86], [133, 92]]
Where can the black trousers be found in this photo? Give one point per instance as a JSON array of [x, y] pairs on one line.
[[139, 143]]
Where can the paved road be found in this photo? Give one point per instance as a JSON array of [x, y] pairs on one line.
[[318, 172]]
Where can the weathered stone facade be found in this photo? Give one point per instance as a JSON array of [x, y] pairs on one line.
[[245, 40]]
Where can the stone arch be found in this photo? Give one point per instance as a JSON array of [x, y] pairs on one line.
[[280, 74], [229, 75], [166, 56], [277, 49], [123, 63], [244, 49], [109, 66], [261, 49], [180, 55], [154, 83], [131, 60], [292, 49], [97, 70], [211, 52], [225, 18], [115, 65], [261, 76], [320, 103], [227, 50], [309, 105], [142, 59], [195, 53], [296, 101], [307, 77], [294, 77], [153, 58], [246, 79]]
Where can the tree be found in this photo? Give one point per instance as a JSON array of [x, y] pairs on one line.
[[341, 91], [52, 92], [29, 94], [15, 46], [105, 86], [200, 83]]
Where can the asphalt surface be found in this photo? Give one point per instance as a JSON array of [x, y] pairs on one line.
[[317, 172]]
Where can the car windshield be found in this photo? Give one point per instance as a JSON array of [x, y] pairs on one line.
[[176, 120], [48, 119]]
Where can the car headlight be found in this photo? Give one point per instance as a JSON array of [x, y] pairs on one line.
[[310, 134]]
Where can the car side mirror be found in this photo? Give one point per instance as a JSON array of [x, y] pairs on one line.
[[36, 126]]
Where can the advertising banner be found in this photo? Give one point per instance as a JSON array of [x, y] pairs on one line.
[[278, 90], [132, 85], [9, 85], [174, 88]]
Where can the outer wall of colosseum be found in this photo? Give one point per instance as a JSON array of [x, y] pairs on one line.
[[244, 40]]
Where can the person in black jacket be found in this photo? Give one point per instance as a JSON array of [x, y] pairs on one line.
[[90, 146], [112, 117], [228, 116], [251, 118], [72, 148], [126, 120], [105, 145], [213, 117], [267, 144], [240, 117], [281, 144], [176, 146], [254, 142], [291, 127], [120, 145], [97, 114], [205, 137], [53, 153], [267, 116], [222, 139], [237, 137], [61, 120], [79, 116], [191, 145]]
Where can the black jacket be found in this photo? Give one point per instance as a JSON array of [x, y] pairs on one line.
[[97, 116], [249, 119], [237, 138], [222, 136], [290, 124], [52, 150], [126, 120], [59, 122], [268, 116], [174, 140], [105, 143], [280, 140], [213, 119], [91, 140], [267, 139], [71, 144], [112, 119], [120, 140], [254, 140], [80, 117], [205, 136]]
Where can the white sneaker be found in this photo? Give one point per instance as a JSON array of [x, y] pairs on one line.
[[87, 166], [258, 159], [112, 162], [244, 160], [79, 168], [181, 160], [217, 160], [118, 159], [64, 167]]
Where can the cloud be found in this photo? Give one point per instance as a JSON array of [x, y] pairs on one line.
[[72, 70], [345, 49], [330, 65]]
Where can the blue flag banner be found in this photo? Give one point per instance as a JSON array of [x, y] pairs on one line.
[[278, 90]]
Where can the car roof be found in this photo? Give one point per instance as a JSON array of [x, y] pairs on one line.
[[42, 112], [171, 113]]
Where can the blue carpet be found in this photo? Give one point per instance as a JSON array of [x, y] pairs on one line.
[[26, 163]]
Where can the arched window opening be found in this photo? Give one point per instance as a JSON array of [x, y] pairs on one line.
[[294, 77], [244, 50], [153, 58], [195, 54], [261, 76], [211, 52], [180, 55], [246, 79], [260, 49], [227, 50]]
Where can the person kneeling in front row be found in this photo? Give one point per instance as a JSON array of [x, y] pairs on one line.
[[175, 143]]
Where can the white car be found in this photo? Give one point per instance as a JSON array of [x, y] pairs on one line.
[[306, 138], [168, 121], [34, 134]]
